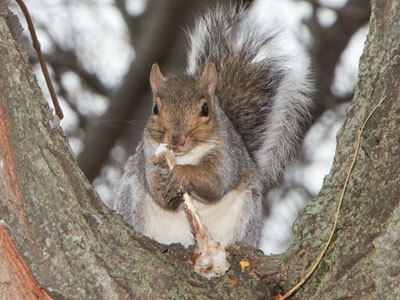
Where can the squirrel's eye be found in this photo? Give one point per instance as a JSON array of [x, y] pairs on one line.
[[204, 109], [155, 109]]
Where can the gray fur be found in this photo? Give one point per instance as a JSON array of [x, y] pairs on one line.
[[263, 88], [262, 104]]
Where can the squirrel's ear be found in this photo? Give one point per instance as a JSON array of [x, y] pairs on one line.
[[209, 78], [156, 78]]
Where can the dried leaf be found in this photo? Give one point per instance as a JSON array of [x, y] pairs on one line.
[[244, 264], [234, 282]]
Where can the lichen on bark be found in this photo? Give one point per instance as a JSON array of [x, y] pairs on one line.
[[362, 262]]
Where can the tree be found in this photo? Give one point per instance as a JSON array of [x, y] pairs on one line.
[[58, 240]]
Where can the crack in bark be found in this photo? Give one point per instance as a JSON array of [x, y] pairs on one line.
[[19, 277], [9, 164]]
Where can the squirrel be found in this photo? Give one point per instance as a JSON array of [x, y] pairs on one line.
[[234, 120]]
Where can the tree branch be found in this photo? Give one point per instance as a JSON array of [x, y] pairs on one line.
[[36, 45], [76, 248]]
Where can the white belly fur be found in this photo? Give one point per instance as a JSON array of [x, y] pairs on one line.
[[221, 220]]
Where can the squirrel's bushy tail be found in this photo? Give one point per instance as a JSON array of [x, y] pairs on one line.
[[263, 84]]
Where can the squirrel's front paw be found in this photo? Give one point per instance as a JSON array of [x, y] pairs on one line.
[[168, 187], [177, 185], [159, 181]]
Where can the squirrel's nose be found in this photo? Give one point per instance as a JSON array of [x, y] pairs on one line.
[[177, 139]]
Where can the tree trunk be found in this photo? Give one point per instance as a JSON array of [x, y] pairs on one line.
[[57, 239]]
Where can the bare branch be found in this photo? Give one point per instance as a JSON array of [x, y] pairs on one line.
[[36, 45]]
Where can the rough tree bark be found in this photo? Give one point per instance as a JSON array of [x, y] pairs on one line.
[[57, 239]]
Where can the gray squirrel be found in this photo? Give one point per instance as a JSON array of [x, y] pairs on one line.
[[234, 120]]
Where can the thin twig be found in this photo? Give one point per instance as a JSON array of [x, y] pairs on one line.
[[321, 255], [36, 46]]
